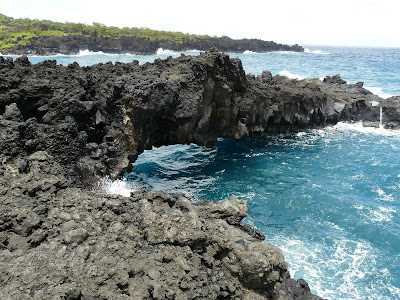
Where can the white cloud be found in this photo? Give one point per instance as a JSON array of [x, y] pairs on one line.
[[340, 22]]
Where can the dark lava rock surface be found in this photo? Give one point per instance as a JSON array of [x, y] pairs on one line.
[[61, 242]]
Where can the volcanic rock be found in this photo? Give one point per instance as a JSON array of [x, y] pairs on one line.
[[60, 242], [96, 120]]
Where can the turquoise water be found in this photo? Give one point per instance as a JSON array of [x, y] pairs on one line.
[[329, 198], [378, 68]]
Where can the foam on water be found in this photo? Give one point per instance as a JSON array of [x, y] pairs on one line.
[[383, 196], [378, 91], [249, 52], [83, 53], [307, 50], [358, 127], [290, 75], [161, 51], [286, 52], [341, 267], [342, 263], [88, 52]]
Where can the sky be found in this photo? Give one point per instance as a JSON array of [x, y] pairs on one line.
[[304, 22]]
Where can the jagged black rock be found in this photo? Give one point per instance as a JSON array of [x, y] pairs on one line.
[[97, 120]]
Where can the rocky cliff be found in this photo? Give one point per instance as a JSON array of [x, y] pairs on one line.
[[96, 120], [72, 44], [64, 126]]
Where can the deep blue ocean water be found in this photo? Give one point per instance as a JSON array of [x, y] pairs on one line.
[[329, 198]]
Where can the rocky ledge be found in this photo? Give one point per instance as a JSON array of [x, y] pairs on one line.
[[64, 126], [60, 242]]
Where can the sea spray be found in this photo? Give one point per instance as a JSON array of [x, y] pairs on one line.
[[379, 92], [290, 75], [119, 186]]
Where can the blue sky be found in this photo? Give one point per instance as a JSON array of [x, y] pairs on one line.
[[306, 22]]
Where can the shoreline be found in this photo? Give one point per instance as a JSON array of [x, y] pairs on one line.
[[95, 121], [80, 53], [70, 44]]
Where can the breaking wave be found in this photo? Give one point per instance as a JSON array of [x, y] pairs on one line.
[[358, 127], [379, 91], [290, 75], [307, 50], [161, 51]]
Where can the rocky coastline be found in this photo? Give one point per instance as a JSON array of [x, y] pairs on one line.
[[61, 242], [72, 44], [64, 127]]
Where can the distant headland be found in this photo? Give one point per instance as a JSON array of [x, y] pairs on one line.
[[44, 37]]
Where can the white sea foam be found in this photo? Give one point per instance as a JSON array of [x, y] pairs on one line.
[[161, 51], [82, 53], [307, 50], [87, 52], [383, 196], [290, 75], [341, 266], [301, 133], [378, 91], [358, 207], [376, 214], [382, 214], [286, 52], [93, 53], [248, 52], [358, 127], [119, 187]]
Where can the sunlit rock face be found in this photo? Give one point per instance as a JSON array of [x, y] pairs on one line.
[[96, 120]]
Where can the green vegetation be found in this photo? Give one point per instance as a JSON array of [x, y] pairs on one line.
[[19, 31]]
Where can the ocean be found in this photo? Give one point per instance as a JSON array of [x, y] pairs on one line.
[[329, 198]]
